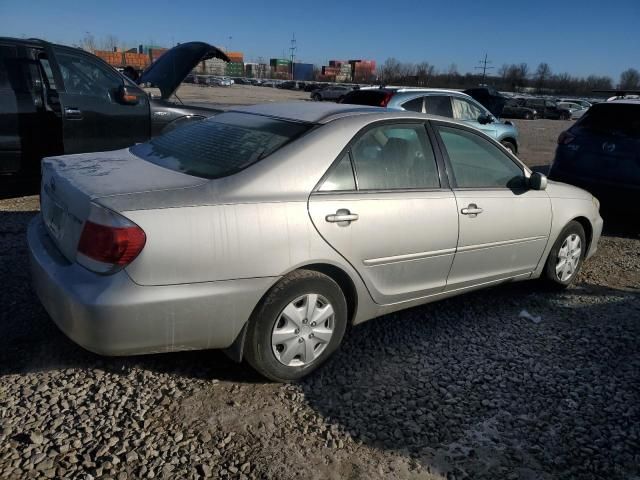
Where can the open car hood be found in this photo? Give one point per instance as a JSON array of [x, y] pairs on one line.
[[168, 71]]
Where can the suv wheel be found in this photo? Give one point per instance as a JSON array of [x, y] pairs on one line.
[[297, 326], [566, 256], [509, 146], [316, 97]]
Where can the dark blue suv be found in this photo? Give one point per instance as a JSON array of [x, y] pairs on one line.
[[601, 153]]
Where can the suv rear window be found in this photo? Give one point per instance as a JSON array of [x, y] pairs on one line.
[[220, 146], [611, 118], [371, 98]]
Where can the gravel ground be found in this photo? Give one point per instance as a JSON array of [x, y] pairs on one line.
[[463, 388]]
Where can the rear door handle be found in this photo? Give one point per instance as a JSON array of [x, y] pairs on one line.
[[472, 209], [73, 113], [342, 217]]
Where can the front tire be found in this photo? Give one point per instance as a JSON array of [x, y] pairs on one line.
[[297, 326], [509, 146], [566, 256], [316, 98]]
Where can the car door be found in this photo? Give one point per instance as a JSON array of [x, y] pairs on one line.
[[93, 117], [468, 111], [504, 225], [385, 207], [24, 132]]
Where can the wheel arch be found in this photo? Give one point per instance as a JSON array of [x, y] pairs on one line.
[[588, 231], [512, 141]]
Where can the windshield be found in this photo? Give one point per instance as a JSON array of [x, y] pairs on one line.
[[611, 118], [220, 146]]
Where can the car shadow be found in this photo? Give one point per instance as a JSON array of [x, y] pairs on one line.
[[453, 384]]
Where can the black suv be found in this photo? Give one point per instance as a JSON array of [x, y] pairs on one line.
[[59, 100], [545, 108]]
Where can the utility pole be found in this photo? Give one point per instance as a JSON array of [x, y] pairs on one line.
[[484, 66], [292, 55]]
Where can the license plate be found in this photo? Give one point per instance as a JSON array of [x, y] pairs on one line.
[[53, 214]]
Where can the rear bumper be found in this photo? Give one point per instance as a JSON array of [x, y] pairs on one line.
[[112, 315]]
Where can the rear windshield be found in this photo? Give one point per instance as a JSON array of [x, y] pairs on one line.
[[371, 98], [614, 119], [220, 146]]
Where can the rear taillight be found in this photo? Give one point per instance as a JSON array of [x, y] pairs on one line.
[[385, 100], [565, 138], [109, 241]]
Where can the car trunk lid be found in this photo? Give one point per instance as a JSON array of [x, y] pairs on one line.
[[170, 70], [71, 183]]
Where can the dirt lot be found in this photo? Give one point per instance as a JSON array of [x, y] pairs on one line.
[[463, 388]]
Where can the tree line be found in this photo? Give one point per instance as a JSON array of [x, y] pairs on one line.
[[510, 77]]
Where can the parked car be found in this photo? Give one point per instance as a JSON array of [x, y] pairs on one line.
[[161, 246], [310, 87], [57, 100], [446, 103], [514, 108], [582, 103], [601, 152], [488, 97], [332, 92], [576, 109], [546, 108]]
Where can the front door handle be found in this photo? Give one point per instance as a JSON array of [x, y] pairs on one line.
[[471, 210], [342, 217], [73, 113]]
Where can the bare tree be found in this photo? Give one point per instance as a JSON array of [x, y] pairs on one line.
[[88, 42], [630, 79], [543, 72], [390, 70], [110, 43], [424, 72]]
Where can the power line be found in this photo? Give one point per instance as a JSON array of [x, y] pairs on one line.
[[484, 66]]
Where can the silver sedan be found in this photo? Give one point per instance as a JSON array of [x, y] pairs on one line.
[[266, 230]]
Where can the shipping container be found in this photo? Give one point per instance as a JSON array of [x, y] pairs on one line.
[[303, 71]]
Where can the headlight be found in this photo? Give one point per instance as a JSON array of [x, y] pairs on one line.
[[596, 202]]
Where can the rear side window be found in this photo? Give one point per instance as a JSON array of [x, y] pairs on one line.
[[341, 178], [438, 105], [220, 146], [414, 105], [613, 119]]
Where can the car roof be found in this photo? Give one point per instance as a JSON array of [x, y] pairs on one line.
[[630, 101], [415, 90], [306, 111], [27, 42]]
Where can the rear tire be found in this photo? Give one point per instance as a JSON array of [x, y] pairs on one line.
[[288, 336], [566, 257], [316, 98], [528, 116]]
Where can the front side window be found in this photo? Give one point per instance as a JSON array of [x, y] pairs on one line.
[[477, 163], [465, 110], [84, 76], [395, 157], [221, 145]]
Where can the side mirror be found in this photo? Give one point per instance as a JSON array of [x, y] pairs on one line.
[[128, 95], [538, 181], [485, 118]]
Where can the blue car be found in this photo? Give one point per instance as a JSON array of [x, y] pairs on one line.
[[446, 103]]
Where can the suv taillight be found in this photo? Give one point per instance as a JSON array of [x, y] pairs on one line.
[[565, 138], [109, 241], [385, 100]]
